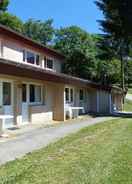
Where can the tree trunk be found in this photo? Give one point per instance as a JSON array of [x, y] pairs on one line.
[[122, 74], [122, 78]]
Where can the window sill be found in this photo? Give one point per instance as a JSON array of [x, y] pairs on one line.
[[36, 104]]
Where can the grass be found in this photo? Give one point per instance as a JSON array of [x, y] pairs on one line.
[[100, 154], [128, 105], [129, 90]]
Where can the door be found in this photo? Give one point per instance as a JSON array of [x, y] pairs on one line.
[[7, 102], [25, 113]]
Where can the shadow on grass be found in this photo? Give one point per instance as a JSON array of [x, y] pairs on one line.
[[116, 114]]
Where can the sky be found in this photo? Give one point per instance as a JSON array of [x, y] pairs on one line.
[[83, 13]]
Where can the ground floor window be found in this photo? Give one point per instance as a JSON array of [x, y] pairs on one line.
[[35, 93], [69, 95], [6, 93], [24, 93], [81, 95]]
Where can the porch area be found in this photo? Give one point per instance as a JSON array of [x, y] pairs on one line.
[[24, 101]]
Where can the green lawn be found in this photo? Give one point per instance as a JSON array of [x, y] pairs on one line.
[[130, 90], [128, 105], [100, 154]]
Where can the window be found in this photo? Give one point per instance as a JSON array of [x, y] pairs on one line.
[[37, 59], [32, 93], [30, 58], [24, 55], [35, 93], [6, 93], [24, 93], [81, 94], [48, 63], [69, 95]]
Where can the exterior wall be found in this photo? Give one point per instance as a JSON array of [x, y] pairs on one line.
[[57, 66], [104, 102], [44, 111], [53, 105], [58, 112], [89, 103], [40, 114], [117, 101], [13, 50], [92, 101], [37, 113]]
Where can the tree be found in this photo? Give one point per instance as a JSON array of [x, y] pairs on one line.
[[39, 31], [77, 45], [3, 5], [11, 21], [108, 73], [117, 26]]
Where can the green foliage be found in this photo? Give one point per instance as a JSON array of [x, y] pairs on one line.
[[80, 65], [118, 18], [128, 105], [117, 27], [108, 72], [78, 47], [3, 5], [128, 71], [130, 90], [39, 31], [11, 21]]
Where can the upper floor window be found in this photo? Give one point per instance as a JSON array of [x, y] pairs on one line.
[[31, 58], [49, 63]]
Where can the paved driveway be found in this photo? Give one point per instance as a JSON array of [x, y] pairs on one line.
[[39, 138]]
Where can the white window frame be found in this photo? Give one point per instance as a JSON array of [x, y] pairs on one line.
[[1, 91], [45, 63], [69, 101], [28, 93], [33, 52], [36, 103]]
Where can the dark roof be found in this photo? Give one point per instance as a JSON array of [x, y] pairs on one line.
[[17, 36], [22, 70]]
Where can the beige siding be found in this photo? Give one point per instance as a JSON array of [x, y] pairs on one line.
[[13, 50], [59, 113], [117, 101], [57, 66], [40, 114]]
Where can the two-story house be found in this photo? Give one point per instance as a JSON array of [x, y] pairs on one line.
[[33, 89]]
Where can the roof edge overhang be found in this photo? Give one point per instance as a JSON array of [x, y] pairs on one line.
[[24, 39], [8, 67]]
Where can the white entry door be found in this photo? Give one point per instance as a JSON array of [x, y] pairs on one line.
[[25, 106], [6, 89]]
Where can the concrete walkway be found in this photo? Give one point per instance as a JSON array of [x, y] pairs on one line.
[[39, 138]]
